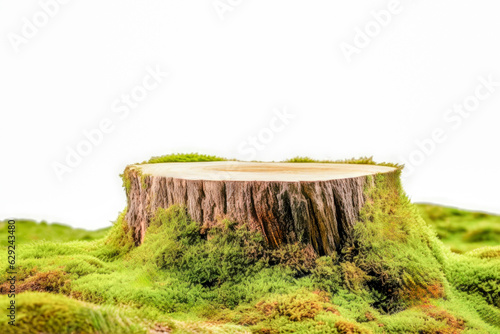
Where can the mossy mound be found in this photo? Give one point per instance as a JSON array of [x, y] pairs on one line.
[[392, 276], [51, 313], [462, 230], [30, 230]]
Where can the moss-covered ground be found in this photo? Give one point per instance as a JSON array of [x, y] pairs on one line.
[[393, 275], [462, 230]]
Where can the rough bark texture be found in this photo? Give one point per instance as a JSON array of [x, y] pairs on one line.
[[320, 213]]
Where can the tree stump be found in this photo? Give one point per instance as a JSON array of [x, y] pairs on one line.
[[311, 203]]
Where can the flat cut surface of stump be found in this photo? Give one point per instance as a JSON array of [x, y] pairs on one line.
[[316, 204], [261, 171]]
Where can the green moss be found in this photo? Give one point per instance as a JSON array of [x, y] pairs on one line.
[[359, 161], [126, 180], [462, 230], [476, 277], [195, 157], [29, 230], [393, 275], [486, 252], [131, 172], [327, 274], [48, 313], [183, 157], [390, 253], [119, 240]]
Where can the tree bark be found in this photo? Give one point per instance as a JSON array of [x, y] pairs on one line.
[[316, 204]]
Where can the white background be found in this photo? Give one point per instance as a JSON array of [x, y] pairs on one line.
[[228, 72]]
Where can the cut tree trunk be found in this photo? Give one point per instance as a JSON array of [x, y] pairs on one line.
[[311, 203]]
